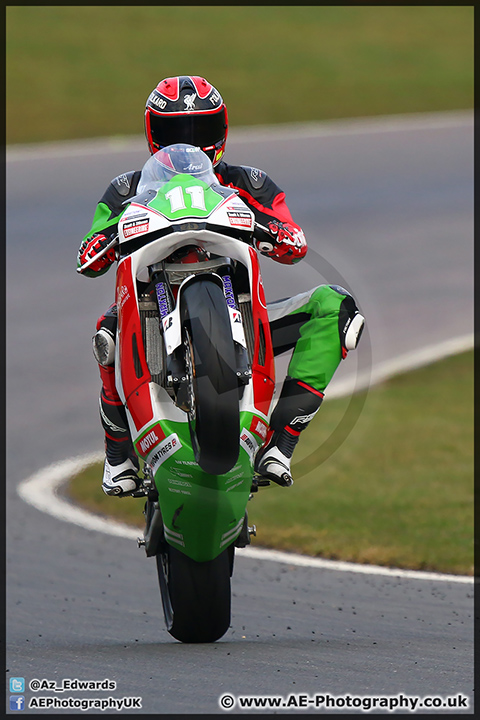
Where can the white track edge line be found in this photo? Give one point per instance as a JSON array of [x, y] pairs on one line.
[[41, 490], [282, 131]]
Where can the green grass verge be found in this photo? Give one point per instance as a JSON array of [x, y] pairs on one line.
[[83, 71], [398, 491]]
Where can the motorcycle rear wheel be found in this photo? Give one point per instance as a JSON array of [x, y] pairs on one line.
[[214, 417], [196, 596]]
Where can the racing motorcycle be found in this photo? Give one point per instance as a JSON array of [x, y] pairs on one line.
[[195, 371]]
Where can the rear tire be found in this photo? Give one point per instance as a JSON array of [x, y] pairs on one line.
[[196, 596], [214, 417]]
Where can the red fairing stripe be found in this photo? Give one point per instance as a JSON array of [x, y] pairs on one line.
[[140, 406], [263, 375], [141, 409]]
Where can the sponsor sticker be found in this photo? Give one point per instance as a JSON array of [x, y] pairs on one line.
[[136, 227], [122, 296], [180, 473], [259, 427], [247, 441], [163, 451], [183, 483], [161, 291], [228, 290], [134, 216], [238, 218], [146, 444]]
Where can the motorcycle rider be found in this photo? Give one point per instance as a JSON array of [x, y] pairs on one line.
[[320, 325]]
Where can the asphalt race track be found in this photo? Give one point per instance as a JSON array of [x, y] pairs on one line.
[[387, 208]]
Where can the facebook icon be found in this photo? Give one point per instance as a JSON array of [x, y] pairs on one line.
[[17, 702]]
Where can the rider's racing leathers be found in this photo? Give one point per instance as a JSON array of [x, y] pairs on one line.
[[320, 325]]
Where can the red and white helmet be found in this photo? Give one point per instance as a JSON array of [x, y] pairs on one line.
[[187, 109]]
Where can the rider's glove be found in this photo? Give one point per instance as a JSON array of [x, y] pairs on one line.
[[91, 247], [283, 242]]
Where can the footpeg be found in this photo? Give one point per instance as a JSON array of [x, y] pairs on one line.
[[258, 481], [245, 534]]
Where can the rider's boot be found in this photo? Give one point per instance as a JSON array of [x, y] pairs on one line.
[[120, 480], [120, 472], [297, 404]]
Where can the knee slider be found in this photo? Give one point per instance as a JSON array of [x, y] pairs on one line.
[[350, 322], [104, 347], [353, 331]]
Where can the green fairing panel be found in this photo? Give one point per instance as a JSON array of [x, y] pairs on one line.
[[202, 514]]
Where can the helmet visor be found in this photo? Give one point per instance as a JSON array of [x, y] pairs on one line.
[[195, 129]]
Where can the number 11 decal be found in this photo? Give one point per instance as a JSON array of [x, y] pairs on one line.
[[177, 198]]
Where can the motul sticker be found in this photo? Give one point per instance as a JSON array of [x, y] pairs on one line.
[[136, 227], [247, 441], [169, 446], [150, 440], [240, 219], [259, 427]]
